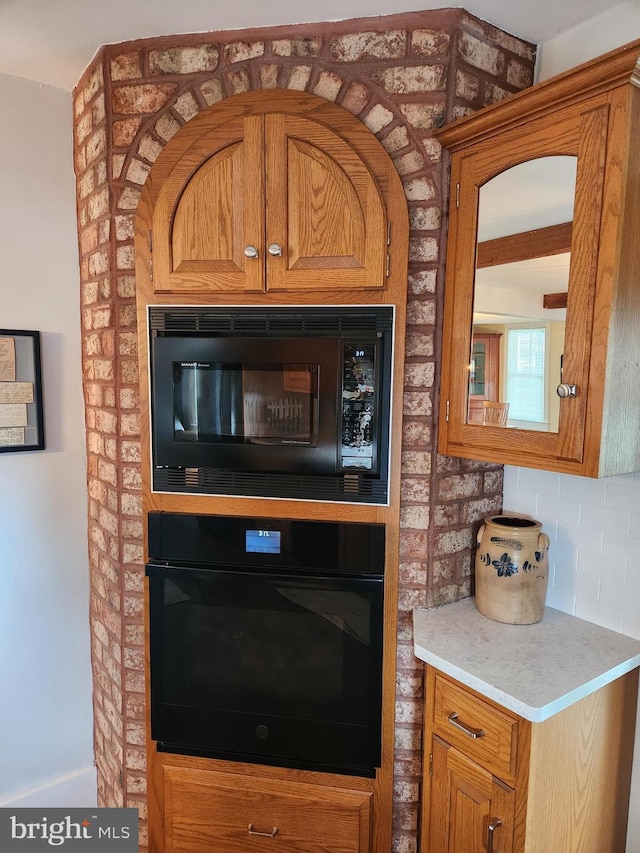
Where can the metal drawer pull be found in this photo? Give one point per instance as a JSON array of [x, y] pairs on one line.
[[251, 251], [271, 834], [494, 823], [468, 730]]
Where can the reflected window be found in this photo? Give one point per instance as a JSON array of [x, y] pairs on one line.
[[526, 349]]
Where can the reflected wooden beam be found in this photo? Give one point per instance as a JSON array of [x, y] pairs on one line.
[[539, 243], [555, 300]]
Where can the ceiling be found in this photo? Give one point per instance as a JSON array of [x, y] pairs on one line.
[[53, 41]]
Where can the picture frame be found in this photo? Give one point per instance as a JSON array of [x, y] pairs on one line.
[[21, 407]]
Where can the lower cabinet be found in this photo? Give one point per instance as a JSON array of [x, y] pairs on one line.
[[211, 812], [465, 803], [498, 783]]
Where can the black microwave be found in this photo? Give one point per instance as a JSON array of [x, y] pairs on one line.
[[275, 402]]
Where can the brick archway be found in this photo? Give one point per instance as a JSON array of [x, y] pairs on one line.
[[401, 76]]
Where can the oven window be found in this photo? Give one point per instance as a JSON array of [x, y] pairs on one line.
[[267, 648], [277, 646], [268, 404]]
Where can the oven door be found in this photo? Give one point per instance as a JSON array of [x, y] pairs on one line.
[[269, 668]]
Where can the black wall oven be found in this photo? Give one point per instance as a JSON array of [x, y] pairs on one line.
[[266, 640]]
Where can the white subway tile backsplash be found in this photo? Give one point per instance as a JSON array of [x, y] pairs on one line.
[[562, 512], [592, 563], [631, 621], [607, 519], [511, 478], [542, 482], [625, 480], [633, 575], [582, 489], [562, 553], [561, 592], [581, 536], [634, 527], [620, 547], [598, 613], [613, 601], [622, 496], [594, 527]]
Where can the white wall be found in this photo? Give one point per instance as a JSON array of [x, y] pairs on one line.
[[46, 741], [594, 525], [593, 37]]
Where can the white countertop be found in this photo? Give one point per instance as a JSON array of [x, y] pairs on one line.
[[534, 670]]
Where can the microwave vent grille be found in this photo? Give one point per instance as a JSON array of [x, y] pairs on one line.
[[213, 481], [267, 322]]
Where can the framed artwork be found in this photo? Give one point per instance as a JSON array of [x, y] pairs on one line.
[[21, 414]]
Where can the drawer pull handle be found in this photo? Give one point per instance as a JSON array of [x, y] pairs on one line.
[[494, 823], [468, 730], [271, 834]]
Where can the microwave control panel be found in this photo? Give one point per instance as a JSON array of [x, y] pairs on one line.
[[359, 407]]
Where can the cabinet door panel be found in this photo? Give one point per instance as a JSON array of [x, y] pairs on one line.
[[323, 208], [465, 801], [582, 133], [209, 210], [228, 813]]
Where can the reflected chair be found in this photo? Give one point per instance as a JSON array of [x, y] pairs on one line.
[[494, 413]]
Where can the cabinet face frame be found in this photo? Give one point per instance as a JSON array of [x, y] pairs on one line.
[[378, 791]]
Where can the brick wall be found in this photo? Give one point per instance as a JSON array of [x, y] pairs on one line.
[[402, 76]]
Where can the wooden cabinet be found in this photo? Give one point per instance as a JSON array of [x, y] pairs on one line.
[[465, 803], [230, 813], [267, 200], [588, 120], [495, 781]]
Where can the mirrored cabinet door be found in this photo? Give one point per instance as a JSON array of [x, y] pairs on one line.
[[536, 276], [520, 294]]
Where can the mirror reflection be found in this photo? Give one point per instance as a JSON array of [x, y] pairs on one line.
[[520, 294]]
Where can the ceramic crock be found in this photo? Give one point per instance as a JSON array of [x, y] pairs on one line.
[[512, 569]]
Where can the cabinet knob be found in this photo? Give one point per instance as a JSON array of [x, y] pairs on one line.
[[566, 390], [275, 249], [251, 251], [271, 834]]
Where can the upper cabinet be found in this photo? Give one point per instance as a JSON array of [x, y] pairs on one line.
[[262, 200], [543, 262]]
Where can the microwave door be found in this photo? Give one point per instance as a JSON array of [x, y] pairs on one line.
[[208, 400]]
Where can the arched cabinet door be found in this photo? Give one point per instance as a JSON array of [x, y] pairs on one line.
[[323, 210], [208, 221], [266, 201]]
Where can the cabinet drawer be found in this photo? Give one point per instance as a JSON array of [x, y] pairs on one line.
[[480, 730], [228, 813]]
